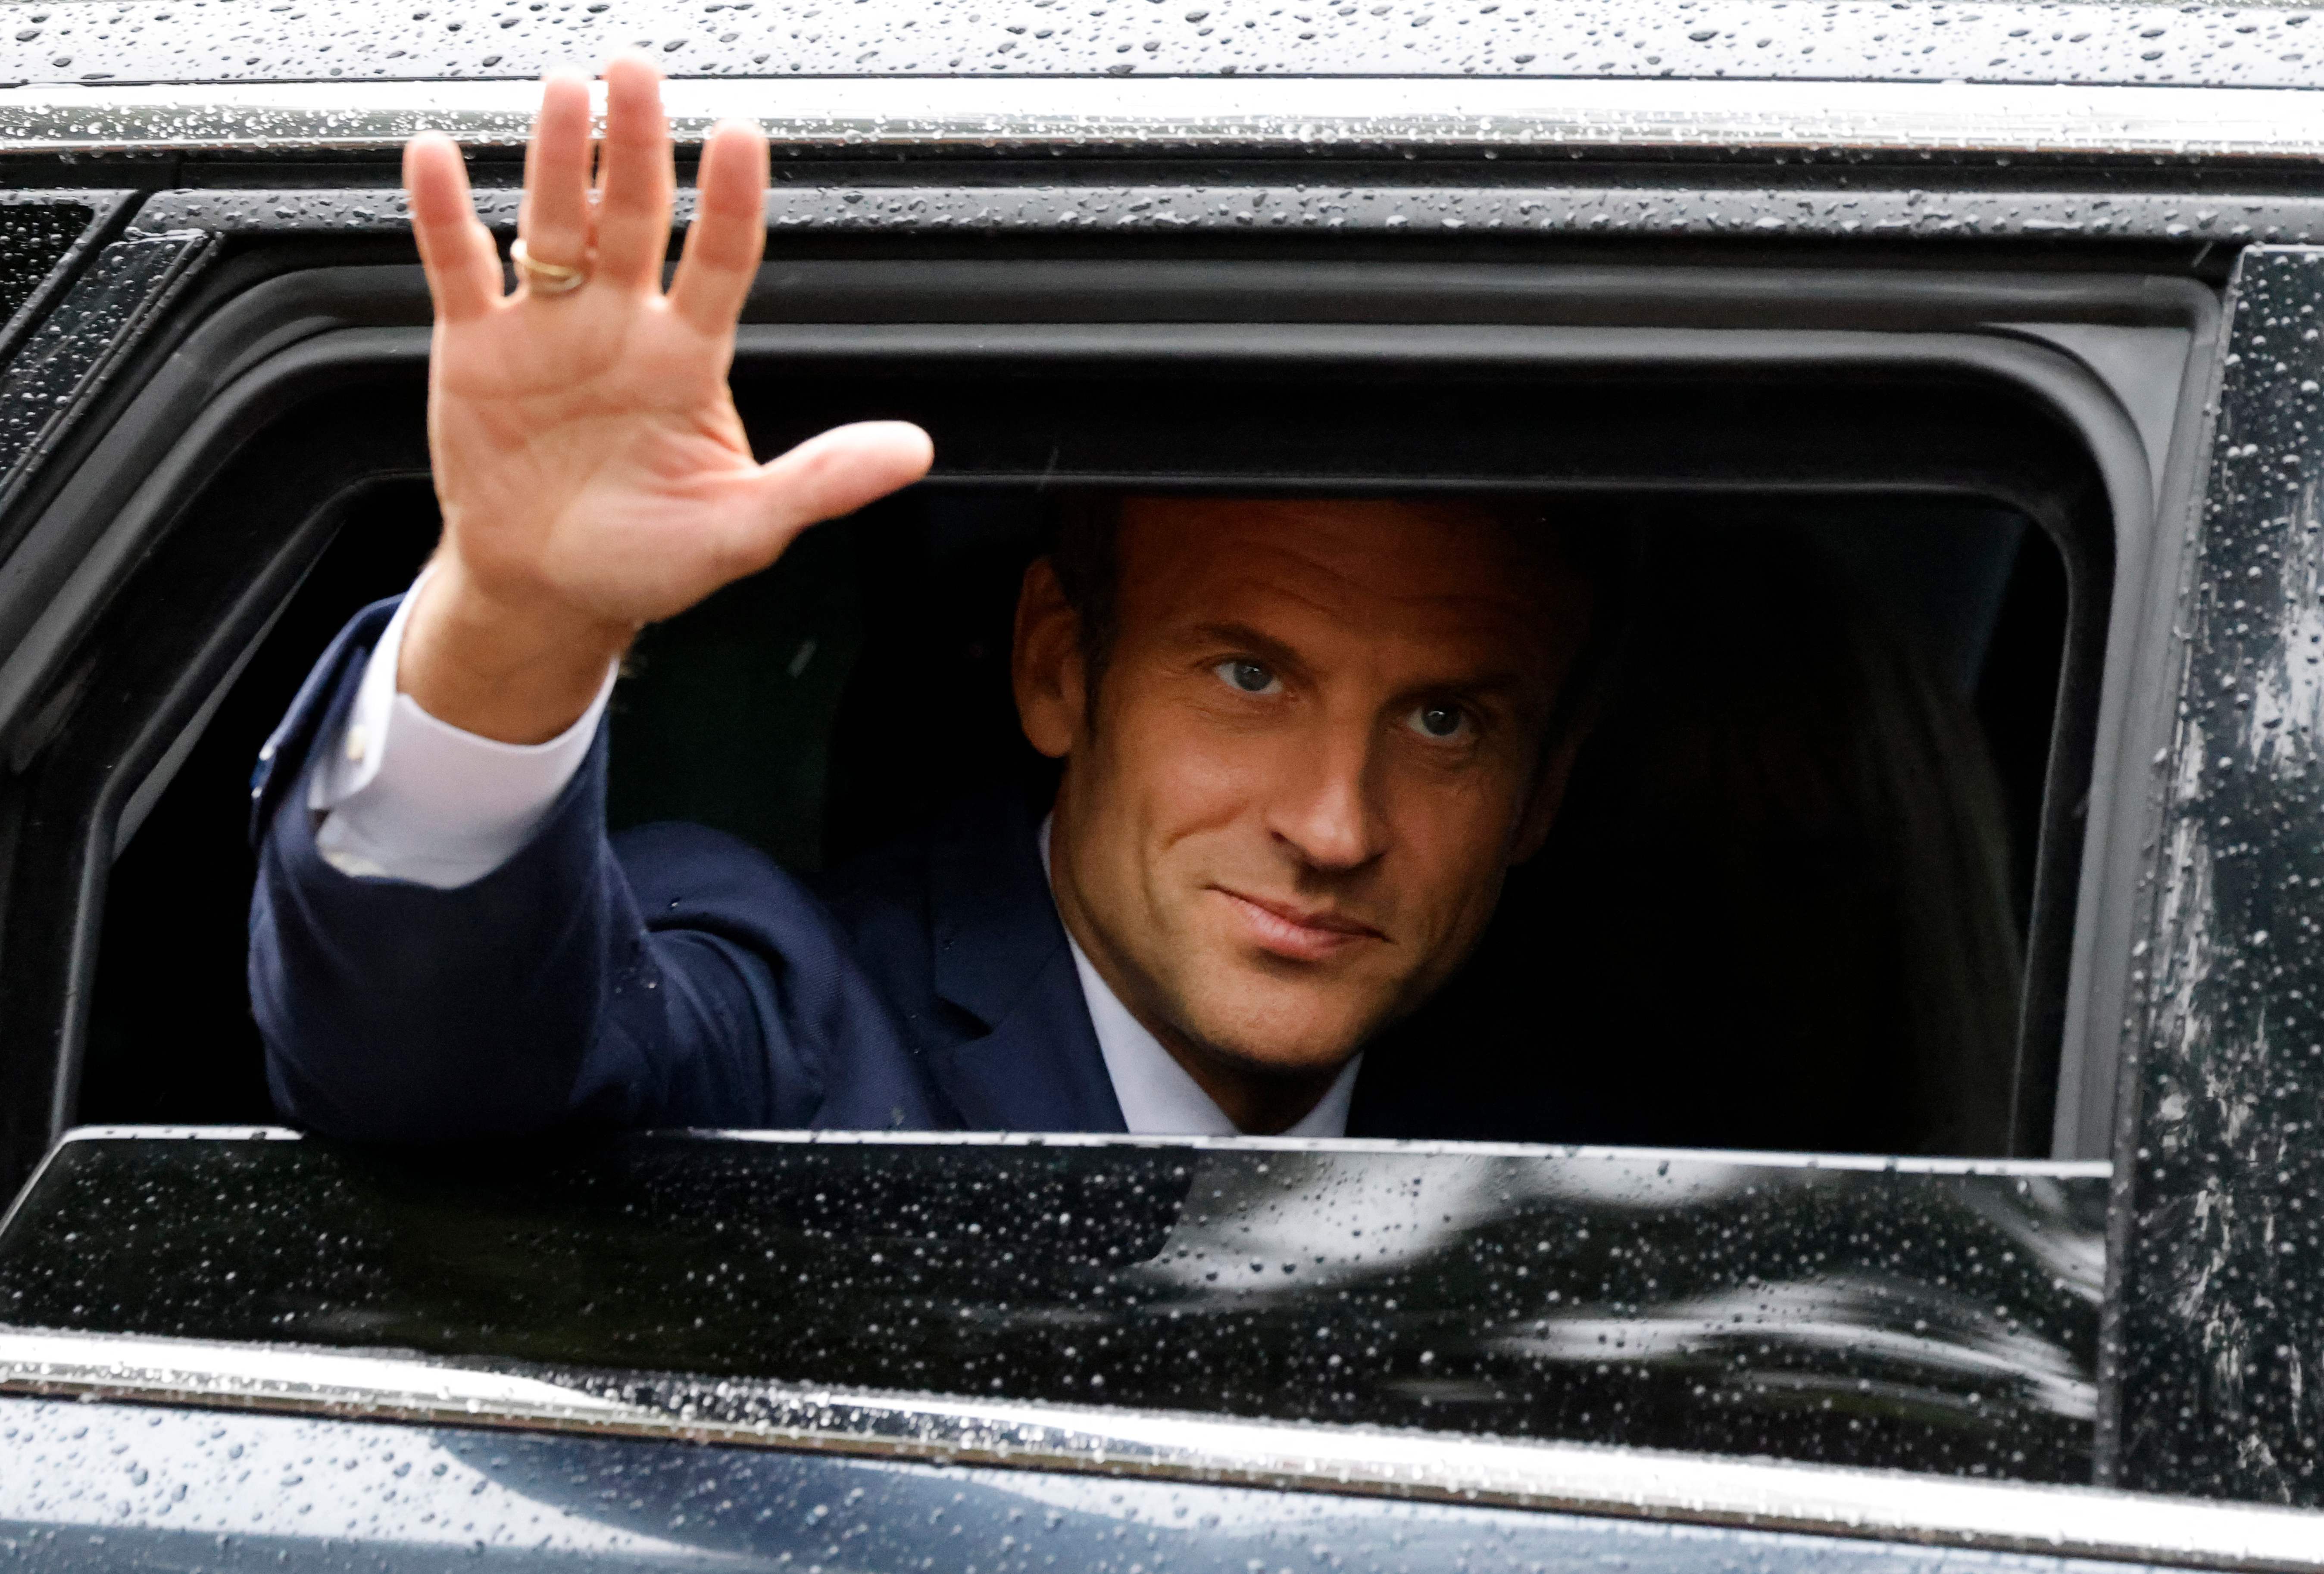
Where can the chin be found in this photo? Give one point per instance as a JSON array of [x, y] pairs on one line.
[[1275, 1030]]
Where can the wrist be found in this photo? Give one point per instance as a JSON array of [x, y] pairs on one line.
[[517, 668]]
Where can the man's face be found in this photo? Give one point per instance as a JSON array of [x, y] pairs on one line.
[[1318, 748]]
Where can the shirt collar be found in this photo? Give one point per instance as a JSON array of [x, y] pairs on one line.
[[1157, 1096]]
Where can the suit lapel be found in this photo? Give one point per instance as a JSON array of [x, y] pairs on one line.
[[1000, 956]]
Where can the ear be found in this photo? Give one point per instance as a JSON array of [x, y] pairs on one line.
[[1045, 663]]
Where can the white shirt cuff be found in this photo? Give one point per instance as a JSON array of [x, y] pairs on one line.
[[409, 797]]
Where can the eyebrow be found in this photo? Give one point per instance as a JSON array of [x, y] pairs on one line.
[[1249, 638]]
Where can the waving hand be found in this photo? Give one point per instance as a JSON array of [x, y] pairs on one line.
[[593, 473]]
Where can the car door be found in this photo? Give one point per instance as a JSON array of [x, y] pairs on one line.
[[1533, 1345]]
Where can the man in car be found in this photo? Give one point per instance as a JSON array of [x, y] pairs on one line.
[[1300, 743]]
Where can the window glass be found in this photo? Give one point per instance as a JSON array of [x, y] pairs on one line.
[[34, 237], [1866, 1313]]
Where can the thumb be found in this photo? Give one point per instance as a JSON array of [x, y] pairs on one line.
[[830, 474]]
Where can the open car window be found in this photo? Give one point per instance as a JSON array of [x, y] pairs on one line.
[[1818, 862], [1794, 870]]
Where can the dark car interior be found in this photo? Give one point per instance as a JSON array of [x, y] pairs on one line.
[[1813, 887], [1786, 906]]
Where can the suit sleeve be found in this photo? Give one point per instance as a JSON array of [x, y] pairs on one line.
[[682, 980], [399, 793]]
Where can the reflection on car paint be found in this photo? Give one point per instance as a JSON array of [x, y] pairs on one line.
[[107, 1486], [2221, 1292], [1928, 1316]]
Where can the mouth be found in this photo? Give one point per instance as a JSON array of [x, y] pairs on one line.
[[1295, 933]]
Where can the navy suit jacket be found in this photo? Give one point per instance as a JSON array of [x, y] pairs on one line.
[[670, 975]]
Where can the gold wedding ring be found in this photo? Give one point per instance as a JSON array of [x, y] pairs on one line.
[[545, 278]]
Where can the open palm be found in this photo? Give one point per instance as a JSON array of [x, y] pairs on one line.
[[593, 473]]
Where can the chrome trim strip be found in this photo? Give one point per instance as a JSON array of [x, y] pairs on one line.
[[1564, 1477], [1909, 1165], [1271, 114]]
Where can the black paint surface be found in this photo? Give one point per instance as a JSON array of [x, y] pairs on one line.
[[2223, 1311], [78, 345], [1867, 1315], [1007, 195]]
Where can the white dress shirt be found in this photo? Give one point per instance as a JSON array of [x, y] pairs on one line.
[[406, 797], [412, 797]]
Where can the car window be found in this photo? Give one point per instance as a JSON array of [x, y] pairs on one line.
[[34, 237], [1920, 1317], [1796, 867], [1804, 827]]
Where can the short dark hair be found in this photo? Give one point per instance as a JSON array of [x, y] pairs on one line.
[[1084, 546]]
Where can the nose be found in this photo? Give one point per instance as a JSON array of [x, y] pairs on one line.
[[1326, 809]]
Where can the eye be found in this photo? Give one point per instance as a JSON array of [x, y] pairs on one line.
[[1246, 677], [1438, 720]]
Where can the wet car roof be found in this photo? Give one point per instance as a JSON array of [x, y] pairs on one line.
[[205, 41]]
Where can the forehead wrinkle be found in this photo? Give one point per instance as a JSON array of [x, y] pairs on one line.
[[1448, 602], [1488, 599], [1469, 653]]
